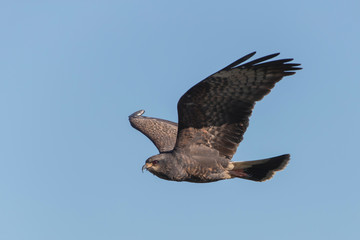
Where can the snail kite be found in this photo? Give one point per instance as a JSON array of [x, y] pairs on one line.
[[213, 116]]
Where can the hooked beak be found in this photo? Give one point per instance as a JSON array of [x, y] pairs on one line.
[[146, 166]]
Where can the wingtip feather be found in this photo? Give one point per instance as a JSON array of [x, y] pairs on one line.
[[137, 113]]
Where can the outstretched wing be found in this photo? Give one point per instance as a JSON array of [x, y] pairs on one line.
[[215, 112], [161, 132]]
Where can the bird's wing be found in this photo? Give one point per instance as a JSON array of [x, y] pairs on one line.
[[161, 132], [215, 112]]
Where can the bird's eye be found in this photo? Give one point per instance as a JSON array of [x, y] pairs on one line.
[[155, 162]]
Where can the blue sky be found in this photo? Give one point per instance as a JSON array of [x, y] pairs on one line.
[[72, 72]]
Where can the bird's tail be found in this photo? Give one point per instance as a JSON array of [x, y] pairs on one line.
[[259, 170]]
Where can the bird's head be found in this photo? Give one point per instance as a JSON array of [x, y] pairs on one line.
[[157, 165]]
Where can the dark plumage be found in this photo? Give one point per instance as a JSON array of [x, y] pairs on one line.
[[213, 117]]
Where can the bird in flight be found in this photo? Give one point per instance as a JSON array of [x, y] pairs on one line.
[[213, 116]]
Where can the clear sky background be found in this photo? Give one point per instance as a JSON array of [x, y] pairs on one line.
[[72, 71]]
